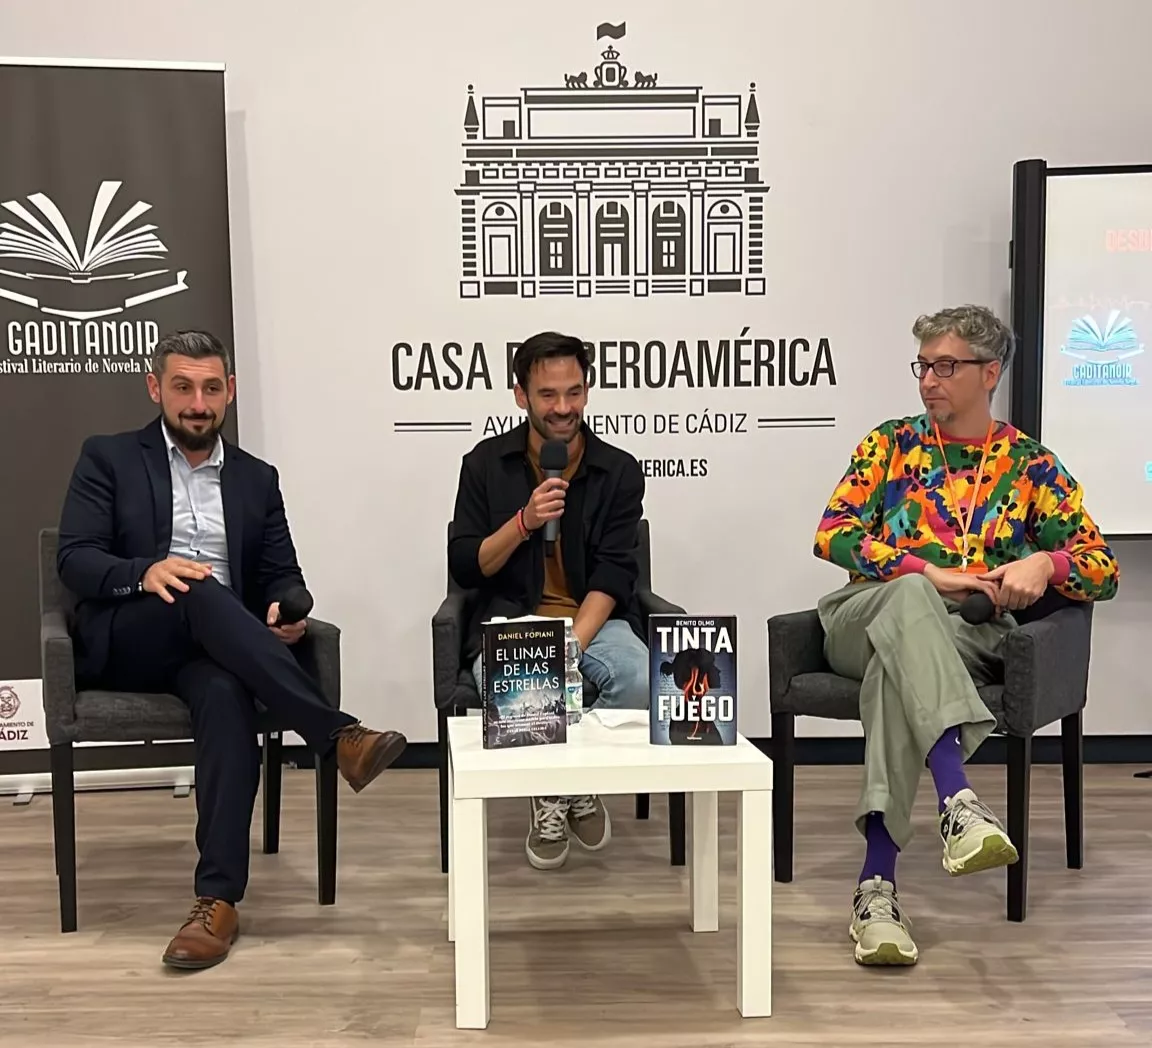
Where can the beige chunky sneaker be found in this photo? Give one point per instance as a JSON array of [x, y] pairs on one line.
[[879, 929], [547, 843], [974, 839], [588, 819]]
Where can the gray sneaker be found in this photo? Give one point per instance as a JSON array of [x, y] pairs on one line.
[[974, 839], [547, 843], [588, 819], [879, 929]]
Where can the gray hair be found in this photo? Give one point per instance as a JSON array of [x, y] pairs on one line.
[[987, 336], [198, 345]]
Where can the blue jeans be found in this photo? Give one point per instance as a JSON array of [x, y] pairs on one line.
[[616, 662]]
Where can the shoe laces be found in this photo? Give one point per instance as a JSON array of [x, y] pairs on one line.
[[550, 815], [964, 811], [202, 912], [355, 733], [582, 807], [877, 903]]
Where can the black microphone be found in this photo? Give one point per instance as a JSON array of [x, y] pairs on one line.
[[553, 463], [976, 609], [294, 606]]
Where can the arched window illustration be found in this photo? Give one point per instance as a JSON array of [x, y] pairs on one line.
[[669, 240], [556, 240], [725, 238], [500, 240], [612, 240]]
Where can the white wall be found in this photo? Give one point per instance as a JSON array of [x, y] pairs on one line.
[[888, 134]]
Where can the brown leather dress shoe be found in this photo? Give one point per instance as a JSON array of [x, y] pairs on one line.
[[362, 754], [206, 938]]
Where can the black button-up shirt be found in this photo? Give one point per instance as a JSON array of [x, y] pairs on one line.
[[598, 530]]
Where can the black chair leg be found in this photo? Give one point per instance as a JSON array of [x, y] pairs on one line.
[[676, 828], [442, 763], [326, 809], [1019, 790], [273, 777], [783, 800], [64, 831], [643, 805], [1072, 750]]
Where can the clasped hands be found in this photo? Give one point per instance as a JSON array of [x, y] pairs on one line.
[[1011, 586], [174, 570]]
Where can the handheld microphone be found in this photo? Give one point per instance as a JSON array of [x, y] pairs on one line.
[[976, 609], [294, 606], [553, 463]]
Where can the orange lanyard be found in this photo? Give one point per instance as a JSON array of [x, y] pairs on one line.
[[966, 522]]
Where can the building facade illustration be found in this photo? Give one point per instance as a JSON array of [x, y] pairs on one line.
[[611, 184]]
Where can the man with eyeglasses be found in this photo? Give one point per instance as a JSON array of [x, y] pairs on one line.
[[933, 508]]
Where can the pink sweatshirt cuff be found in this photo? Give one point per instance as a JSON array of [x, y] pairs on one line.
[[1062, 565], [911, 565]]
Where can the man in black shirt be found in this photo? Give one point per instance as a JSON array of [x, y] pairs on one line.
[[497, 547]]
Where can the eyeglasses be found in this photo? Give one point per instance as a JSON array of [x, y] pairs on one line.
[[941, 368]]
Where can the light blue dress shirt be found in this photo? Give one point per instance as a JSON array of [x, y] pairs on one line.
[[198, 531]]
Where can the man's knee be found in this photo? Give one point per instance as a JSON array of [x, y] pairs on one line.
[[626, 686]]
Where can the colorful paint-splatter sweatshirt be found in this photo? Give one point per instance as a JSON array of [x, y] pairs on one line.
[[893, 512]]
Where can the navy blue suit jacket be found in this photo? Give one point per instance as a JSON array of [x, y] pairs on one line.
[[117, 522]]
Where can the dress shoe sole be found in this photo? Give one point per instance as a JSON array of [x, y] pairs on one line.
[[385, 754], [191, 966]]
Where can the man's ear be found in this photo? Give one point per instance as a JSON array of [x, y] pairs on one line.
[[521, 397]]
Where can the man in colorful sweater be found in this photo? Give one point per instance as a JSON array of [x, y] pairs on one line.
[[932, 509]]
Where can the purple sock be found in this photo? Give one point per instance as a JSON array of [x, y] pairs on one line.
[[880, 859], [946, 763]]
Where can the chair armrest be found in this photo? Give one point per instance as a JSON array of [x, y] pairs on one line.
[[318, 651], [795, 646], [448, 625], [58, 670], [1046, 669], [653, 604]]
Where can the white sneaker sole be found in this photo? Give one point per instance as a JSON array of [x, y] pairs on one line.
[[602, 843], [993, 850], [886, 954]]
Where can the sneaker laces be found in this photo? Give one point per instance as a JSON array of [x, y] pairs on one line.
[[964, 811], [875, 903], [549, 817], [582, 807]]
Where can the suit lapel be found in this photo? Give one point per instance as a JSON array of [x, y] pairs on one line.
[[232, 493], [155, 452]]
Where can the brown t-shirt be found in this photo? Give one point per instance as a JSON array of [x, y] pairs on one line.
[[556, 601]]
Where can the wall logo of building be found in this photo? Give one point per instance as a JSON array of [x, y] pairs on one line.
[[615, 182], [81, 291], [1102, 353], [9, 702]]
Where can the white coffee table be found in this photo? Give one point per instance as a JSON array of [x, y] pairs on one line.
[[601, 760]]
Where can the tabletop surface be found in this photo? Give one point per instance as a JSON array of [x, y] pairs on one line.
[[592, 745]]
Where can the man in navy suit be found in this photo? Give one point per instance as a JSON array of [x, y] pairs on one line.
[[177, 548]]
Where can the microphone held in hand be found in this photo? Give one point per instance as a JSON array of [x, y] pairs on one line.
[[294, 606], [977, 608], [553, 463]]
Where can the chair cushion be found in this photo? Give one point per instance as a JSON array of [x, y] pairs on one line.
[[129, 716], [838, 698]]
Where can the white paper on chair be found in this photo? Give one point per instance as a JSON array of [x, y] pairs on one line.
[[618, 718]]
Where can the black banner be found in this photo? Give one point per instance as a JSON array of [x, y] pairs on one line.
[[113, 232]]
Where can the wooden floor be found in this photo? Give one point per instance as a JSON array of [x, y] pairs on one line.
[[599, 952]]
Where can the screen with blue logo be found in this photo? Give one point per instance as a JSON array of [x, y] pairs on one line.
[[1096, 403]]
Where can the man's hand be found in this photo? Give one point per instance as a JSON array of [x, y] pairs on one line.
[[546, 503], [958, 585], [1022, 582], [171, 572], [289, 634]]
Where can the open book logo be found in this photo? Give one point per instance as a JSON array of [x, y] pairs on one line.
[[1102, 352], [44, 267]]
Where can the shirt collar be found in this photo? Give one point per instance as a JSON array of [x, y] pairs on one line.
[[216, 459]]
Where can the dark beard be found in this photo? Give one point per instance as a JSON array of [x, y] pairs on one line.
[[193, 442]]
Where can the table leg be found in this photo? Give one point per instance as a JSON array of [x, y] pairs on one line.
[[468, 868], [451, 879], [754, 900], [704, 870]]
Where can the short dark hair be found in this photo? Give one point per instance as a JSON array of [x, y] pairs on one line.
[[545, 346], [195, 344]]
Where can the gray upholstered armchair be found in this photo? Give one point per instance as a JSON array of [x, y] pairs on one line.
[[454, 688], [1045, 680], [108, 716]]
